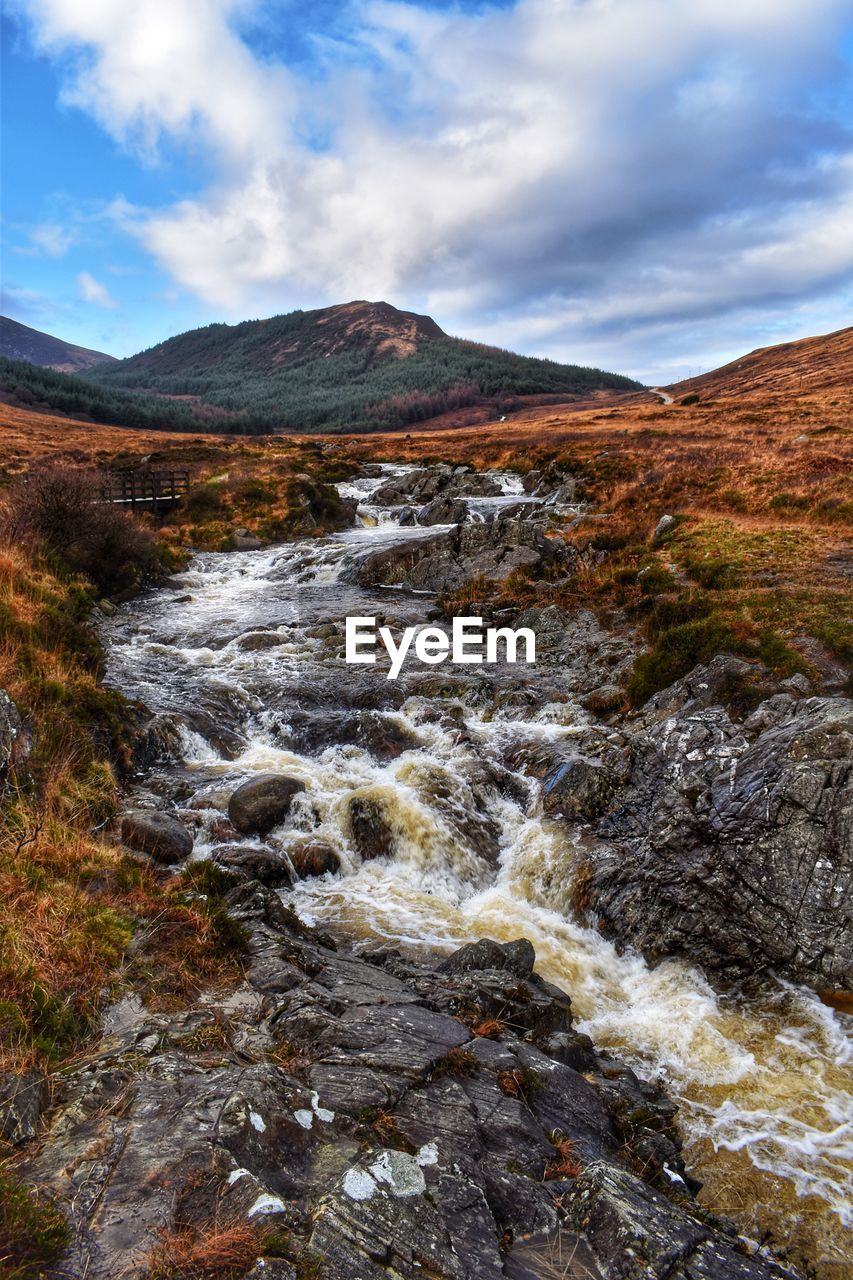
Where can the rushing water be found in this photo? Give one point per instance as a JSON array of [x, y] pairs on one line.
[[763, 1079]]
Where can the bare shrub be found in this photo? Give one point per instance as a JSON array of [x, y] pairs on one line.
[[61, 509]]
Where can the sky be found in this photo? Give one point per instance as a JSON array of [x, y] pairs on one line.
[[648, 186]]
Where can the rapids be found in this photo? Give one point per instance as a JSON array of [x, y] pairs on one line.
[[762, 1077]]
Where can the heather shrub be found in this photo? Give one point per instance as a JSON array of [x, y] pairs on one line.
[[60, 509]]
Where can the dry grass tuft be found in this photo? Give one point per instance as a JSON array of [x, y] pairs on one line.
[[217, 1252], [489, 1028], [565, 1163]]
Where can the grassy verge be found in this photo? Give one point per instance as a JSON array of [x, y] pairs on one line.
[[715, 584], [73, 903]]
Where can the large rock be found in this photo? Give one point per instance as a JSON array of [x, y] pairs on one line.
[[312, 858], [263, 802], [731, 841], [254, 862], [447, 559], [443, 511], [346, 1106], [369, 827], [643, 1235], [159, 835]]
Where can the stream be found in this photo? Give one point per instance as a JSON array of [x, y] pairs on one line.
[[245, 651]]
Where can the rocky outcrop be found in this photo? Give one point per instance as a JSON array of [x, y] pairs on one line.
[[373, 1117], [424, 485], [14, 740], [263, 802], [730, 840], [161, 836], [445, 560], [443, 510], [23, 1100]]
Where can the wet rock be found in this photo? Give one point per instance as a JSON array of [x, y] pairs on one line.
[[14, 741], [256, 862], [23, 1099], [343, 1101], [726, 681], [564, 494], [443, 511], [257, 641], [370, 829], [263, 802], [407, 518], [635, 1231], [155, 738], [313, 858], [586, 653], [731, 841], [243, 540], [518, 957], [444, 560], [159, 835], [580, 788]]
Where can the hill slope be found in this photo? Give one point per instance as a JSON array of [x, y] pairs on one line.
[[20, 342], [822, 363], [360, 365]]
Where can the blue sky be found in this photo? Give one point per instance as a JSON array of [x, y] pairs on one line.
[[653, 186]]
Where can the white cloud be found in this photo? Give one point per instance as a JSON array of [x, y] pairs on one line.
[[52, 239], [165, 66], [580, 169], [91, 290]]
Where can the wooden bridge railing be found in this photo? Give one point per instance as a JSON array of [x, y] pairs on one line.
[[153, 490]]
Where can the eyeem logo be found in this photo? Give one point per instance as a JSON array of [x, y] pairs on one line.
[[465, 644]]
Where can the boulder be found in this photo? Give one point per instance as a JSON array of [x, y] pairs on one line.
[[665, 525], [369, 827], [256, 862], [517, 957], [313, 858], [443, 511], [263, 802], [159, 835], [578, 788], [243, 540]]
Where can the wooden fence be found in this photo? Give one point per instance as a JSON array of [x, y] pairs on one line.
[[148, 490]]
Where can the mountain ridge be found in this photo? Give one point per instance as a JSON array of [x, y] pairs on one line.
[[820, 362], [21, 342]]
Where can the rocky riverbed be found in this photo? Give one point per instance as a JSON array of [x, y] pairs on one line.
[[389, 1092]]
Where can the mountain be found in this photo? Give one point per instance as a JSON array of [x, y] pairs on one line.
[[20, 342], [356, 366], [823, 363]]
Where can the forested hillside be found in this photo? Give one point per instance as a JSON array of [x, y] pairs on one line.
[[357, 367], [362, 366], [32, 386]]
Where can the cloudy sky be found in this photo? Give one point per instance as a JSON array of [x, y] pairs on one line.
[[653, 186]]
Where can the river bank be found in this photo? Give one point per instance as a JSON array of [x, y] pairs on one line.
[[427, 796]]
